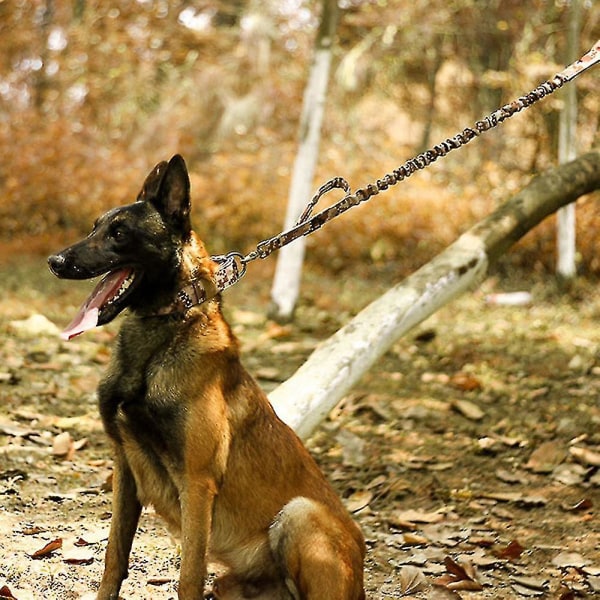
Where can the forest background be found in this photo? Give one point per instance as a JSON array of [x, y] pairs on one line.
[[475, 439], [93, 94]]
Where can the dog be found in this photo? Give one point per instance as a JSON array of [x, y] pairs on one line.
[[192, 432]]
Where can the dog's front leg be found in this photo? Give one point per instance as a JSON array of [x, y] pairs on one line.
[[196, 517], [126, 509]]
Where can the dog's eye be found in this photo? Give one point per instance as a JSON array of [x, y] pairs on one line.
[[118, 233]]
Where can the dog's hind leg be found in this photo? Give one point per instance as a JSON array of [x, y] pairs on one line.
[[126, 513], [319, 554]]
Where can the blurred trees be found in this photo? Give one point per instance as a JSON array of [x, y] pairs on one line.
[[92, 94]]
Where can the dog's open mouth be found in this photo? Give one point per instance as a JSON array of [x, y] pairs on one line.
[[103, 303]]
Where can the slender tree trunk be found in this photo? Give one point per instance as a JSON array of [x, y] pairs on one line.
[[567, 150], [41, 82], [339, 362], [288, 271]]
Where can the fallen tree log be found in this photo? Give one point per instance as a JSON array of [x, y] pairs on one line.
[[338, 363]]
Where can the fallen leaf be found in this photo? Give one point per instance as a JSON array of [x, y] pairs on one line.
[[13, 429], [465, 585], [467, 409], [532, 501], [358, 500], [377, 481], [62, 444], [353, 448], [584, 504], [533, 583], [33, 530], [502, 513], [512, 442], [546, 457], [512, 476], [6, 594], [80, 542], [480, 559], [48, 549], [79, 556], [417, 516], [502, 496], [156, 581], [79, 444], [445, 535], [585, 456], [566, 594], [570, 474], [460, 577], [465, 382], [510, 552], [484, 541], [411, 580], [594, 583], [488, 444], [411, 539], [456, 569], [523, 590], [569, 559]]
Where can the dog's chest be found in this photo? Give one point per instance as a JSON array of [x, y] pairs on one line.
[[140, 403]]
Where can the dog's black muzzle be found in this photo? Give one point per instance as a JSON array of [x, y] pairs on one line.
[[83, 260]]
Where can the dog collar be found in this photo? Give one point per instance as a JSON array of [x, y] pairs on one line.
[[199, 290], [196, 292]]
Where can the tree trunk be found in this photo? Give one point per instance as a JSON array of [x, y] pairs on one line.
[[339, 362], [567, 150], [41, 80], [288, 270]]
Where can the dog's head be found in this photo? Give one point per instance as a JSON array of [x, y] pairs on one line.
[[138, 249]]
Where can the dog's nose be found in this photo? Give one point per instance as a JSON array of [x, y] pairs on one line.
[[56, 262]]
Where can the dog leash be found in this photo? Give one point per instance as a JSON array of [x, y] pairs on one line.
[[233, 265]]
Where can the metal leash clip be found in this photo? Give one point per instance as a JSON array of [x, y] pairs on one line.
[[232, 267]]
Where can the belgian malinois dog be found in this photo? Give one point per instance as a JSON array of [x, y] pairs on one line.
[[192, 432]]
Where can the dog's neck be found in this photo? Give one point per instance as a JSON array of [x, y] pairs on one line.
[[195, 284]]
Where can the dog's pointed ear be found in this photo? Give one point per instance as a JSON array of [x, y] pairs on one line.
[[167, 187], [173, 199], [152, 182]]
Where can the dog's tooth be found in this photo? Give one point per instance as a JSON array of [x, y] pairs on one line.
[[122, 289]]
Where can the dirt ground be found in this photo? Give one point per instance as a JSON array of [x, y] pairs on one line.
[[470, 455]]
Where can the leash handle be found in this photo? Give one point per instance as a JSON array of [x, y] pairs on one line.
[[234, 264]]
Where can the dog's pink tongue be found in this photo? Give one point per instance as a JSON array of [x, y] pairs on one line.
[[87, 316]]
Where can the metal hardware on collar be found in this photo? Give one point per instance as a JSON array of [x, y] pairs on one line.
[[233, 265], [232, 268]]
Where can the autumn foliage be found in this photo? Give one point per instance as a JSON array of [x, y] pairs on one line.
[[93, 94]]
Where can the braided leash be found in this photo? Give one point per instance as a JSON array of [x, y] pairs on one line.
[[233, 265]]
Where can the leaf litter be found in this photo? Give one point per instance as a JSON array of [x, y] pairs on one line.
[[469, 455]]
